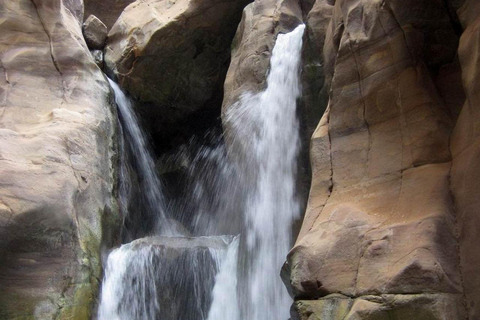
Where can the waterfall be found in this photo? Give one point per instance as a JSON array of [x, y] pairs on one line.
[[211, 276], [272, 145], [148, 181], [166, 278]]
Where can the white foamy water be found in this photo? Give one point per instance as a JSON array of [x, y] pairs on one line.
[[149, 183], [225, 302], [146, 281], [170, 278], [266, 123]]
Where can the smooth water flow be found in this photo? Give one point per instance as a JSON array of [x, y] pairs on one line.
[[271, 153], [148, 181], [208, 276], [168, 278]]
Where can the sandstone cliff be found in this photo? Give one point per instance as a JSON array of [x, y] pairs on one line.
[[390, 99], [57, 152], [389, 230], [385, 232]]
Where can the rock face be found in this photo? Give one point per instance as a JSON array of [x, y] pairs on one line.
[[95, 33], [392, 212], [252, 46], [57, 158], [172, 56], [465, 148]]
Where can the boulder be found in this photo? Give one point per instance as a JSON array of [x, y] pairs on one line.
[[167, 277], [57, 155], [95, 33], [172, 56]]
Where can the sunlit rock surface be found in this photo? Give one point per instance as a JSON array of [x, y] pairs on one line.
[[386, 205], [56, 162]]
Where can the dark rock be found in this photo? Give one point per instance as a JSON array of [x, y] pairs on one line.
[[95, 33]]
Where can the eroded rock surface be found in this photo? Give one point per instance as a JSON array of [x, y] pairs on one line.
[[56, 155], [381, 218], [465, 148]]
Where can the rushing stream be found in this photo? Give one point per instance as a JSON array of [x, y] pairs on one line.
[[224, 262]]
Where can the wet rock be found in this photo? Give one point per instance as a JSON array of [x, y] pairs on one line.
[[182, 269], [98, 57], [95, 33], [106, 10]]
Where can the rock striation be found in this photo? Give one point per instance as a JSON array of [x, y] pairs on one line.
[[391, 208], [389, 226], [57, 156]]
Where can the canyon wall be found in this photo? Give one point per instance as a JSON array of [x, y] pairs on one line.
[[390, 101], [389, 228], [57, 155]]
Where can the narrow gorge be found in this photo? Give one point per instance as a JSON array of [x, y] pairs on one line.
[[239, 159]]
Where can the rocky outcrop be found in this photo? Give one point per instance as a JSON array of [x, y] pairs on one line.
[[465, 148], [252, 46], [172, 56], [57, 159], [392, 186]]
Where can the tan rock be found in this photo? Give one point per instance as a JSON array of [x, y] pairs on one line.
[[173, 55], [56, 155], [253, 43], [401, 307], [380, 218]]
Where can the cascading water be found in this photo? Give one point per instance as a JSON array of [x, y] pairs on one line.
[[173, 277], [148, 182], [271, 151]]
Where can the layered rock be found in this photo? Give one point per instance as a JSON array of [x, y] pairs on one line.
[[380, 219], [172, 56], [57, 159]]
